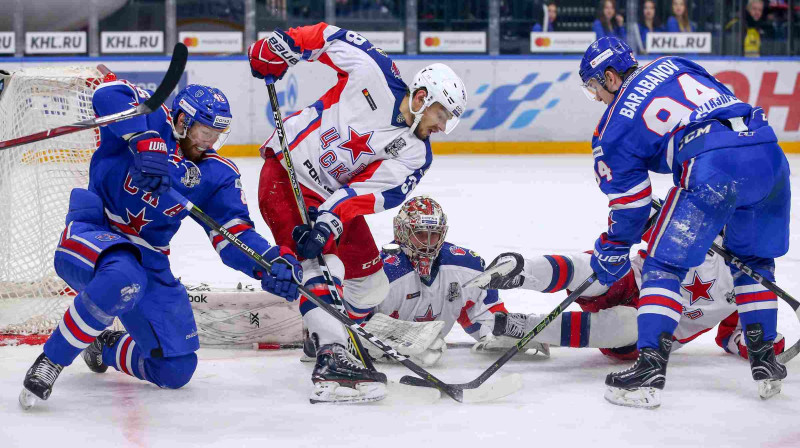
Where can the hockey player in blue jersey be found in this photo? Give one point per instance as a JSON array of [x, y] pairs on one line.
[[114, 248], [672, 116]]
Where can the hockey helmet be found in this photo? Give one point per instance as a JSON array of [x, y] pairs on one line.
[[205, 105], [420, 228], [444, 87], [606, 52]]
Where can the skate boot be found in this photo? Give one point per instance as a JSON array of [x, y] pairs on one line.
[[93, 354], [340, 378], [640, 386], [767, 371], [39, 381]]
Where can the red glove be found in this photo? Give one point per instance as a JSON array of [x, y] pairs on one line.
[[272, 56]]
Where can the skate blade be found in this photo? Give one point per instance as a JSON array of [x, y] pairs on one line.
[[768, 388], [27, 399], [640, 397], [333, 393], [503, 387]]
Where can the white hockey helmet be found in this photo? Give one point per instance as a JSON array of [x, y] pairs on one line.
[[443, 87]]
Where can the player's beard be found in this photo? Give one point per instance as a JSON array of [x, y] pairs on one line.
[[194, 153]]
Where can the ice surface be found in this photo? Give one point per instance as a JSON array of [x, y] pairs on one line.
[[534, 205]]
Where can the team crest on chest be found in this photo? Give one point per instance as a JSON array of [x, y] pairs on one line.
[[428, 316], [357, 144], [192, 176], [699, 289]]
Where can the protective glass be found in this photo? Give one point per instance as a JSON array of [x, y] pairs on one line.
[[590, 88], [206, 137]]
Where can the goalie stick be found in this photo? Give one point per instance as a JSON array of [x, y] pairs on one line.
[[505, 386], [301, 205], [473, 386], [729, 258], [171, 78]]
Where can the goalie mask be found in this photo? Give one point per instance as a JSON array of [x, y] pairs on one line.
[[420, 228], [207, 116]]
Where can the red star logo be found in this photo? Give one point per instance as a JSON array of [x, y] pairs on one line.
[[427, 317], [357, 144], [137, 221], [699, 289]]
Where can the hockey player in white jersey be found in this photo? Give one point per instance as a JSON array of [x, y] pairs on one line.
[[608, 317], [360, 149], [425, 297]]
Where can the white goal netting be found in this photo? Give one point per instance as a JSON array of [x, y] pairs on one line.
[[35, 183]]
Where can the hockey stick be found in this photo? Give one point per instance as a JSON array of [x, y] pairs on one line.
[[455, 392], [473, 385], [729, 258], [301, 205], [171, 78]]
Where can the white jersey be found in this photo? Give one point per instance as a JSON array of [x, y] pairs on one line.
[[353, 146], [441, 298], [707, 293]]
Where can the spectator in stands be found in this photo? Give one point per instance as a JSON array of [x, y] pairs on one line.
[[609, 22], [647, 22], [552, 15], [757, 27], [679, 21]]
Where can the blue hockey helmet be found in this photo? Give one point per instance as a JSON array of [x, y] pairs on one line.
[[205, 105], [604, 53]]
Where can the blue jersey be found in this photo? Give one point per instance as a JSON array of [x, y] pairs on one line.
[[642, 130], [213, 184]]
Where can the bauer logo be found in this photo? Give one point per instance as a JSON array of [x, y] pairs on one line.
[[150, 80]]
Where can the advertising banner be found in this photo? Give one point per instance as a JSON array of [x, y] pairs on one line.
[[52, 42], [212, 42], [132, 42], [670, 43], [561, 42], [452, 42], [7, 43], [511, 103], [388, 41]]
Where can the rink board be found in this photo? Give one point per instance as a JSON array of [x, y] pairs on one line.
[[516, 105]]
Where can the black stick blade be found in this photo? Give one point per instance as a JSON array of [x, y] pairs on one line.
[[176, 66]]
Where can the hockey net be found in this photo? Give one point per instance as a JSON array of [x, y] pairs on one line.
[[35, 184]]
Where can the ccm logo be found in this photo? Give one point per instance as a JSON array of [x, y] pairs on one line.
[[372, 263], [613, 259], [285, 53]]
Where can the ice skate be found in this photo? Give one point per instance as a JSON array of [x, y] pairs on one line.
[[340, 378], [39, 380], [766, 369], [93, 354], [640, 386]]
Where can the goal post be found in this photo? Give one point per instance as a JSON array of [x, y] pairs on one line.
[[35, 183]]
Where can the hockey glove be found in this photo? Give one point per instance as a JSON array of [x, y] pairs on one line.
[[312, 240], [505, 271], [150, 169], [285, 275], [610, 260], [272, 56]]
